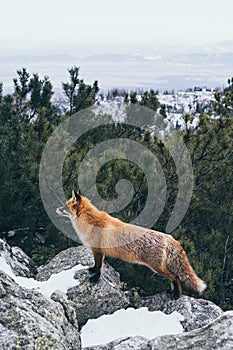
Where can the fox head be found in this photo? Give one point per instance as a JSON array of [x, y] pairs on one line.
[[70, 208]]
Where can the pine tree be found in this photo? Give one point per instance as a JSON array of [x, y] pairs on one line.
[[79, 94]]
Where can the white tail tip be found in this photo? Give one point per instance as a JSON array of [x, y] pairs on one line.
[[202, 286]]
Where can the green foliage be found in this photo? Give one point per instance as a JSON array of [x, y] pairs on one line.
[[27, 119], [79, 94], [208, 222], [148, 99], [224, 100]]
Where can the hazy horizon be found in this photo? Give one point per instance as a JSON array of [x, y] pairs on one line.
[[159, 32], [28, 23]]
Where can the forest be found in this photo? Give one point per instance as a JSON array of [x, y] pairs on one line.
[[28, 116]]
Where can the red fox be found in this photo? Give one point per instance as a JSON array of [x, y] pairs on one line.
[[106, 235]]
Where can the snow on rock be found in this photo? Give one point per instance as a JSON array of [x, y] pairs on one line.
[[216, 335], [13, 261], [90, 300], [196, 312], [16, 259], [60, 281], [129, 323], [31, 321]]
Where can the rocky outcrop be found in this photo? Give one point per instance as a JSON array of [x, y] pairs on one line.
[[197, 312], [133, 343], [107, 296], [90, 300], [216, 335], [28, 320]]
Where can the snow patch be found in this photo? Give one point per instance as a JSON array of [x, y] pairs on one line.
[[123, 323], [62, 281], [129, 323]]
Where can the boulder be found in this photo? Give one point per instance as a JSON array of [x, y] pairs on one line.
[[197, 312], [31, 321], [17, 259], [216, 335], [130, 343], [107, 296], [90, 300]]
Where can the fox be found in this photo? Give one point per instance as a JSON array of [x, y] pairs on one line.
[[109, 236]]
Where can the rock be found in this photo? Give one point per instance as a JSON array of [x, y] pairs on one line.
[[31, 321], [17, 259], [66, 260], [28, 320], [68, 306], [197, 312], [106, 296], [90, 300], [216, 335], [95, 300], [131, 343]]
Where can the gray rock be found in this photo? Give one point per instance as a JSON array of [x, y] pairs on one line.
[[197, 312], [105, 297], [131, 343], [90, 300], [28, 320], [216, 335], [68, 307], [17, 259], [95, 300], [66, 260]]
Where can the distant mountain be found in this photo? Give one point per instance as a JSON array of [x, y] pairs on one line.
[[35, 58], [158, 68], [114, 58], [218, 58]]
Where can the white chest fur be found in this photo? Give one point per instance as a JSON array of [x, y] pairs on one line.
[[81, 236]]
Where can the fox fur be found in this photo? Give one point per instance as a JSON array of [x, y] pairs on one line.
[[106, 235]]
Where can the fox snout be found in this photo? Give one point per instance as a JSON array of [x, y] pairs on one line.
[[63, 211]]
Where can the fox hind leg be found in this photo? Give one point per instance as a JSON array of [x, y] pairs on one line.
[[176, 289]]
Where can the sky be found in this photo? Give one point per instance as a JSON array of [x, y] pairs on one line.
[[46, 24]]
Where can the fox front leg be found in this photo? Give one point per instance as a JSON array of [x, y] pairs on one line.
[[96, 269]]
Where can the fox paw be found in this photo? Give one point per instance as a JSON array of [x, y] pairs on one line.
[[95, 278], [175, 294], [92, 269]]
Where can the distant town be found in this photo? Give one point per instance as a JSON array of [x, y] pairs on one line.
[[192, 101]]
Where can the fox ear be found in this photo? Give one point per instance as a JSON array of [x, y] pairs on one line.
[[80, 193], [76, 197]]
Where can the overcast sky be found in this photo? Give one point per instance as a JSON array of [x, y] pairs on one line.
[[50, 23]]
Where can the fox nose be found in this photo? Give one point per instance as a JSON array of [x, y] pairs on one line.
[[58, 211]]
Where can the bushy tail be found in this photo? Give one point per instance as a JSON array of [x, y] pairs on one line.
[[181, 267]]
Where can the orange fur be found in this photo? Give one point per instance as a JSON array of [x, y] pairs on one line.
[[109, 236]]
